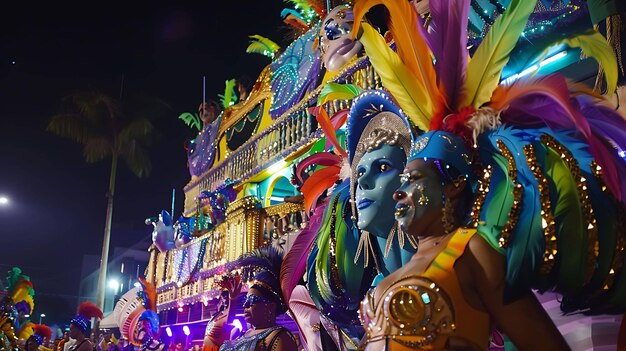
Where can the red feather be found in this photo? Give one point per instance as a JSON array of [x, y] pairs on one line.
[[320, 159], [316, 184], [329, 130], [43, 331], [89, 310]]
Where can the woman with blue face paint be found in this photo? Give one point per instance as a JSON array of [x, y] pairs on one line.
[[379, 140]]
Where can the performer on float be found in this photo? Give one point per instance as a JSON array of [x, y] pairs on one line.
[[500, 191], [263, 303], [217, 329], [42, 333], [379, 140], [80, 326], [146, 333]]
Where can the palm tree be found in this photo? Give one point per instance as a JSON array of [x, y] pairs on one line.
[[109, 127]]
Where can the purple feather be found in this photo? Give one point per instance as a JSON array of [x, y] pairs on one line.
[[555, 109], [295, 260], [449, 23]]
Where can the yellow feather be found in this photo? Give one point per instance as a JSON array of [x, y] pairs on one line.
[[594, 45], [397, 78], [483, 71], [411, 47]]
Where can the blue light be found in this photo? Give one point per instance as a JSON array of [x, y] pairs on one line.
[[426, 298]]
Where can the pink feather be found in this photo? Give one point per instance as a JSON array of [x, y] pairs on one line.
[[294, 263]]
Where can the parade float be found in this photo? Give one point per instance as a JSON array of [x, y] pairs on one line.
[[243, 193]]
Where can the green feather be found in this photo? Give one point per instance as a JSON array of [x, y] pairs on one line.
[[336, 91], [485, 67], [263, 46], [229, 97], [569, 224], [498, 203], [594, 45]]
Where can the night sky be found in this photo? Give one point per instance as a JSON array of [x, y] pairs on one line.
[[52, 49]]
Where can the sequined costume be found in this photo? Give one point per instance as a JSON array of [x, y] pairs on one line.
[[420, 311], [253, 342]]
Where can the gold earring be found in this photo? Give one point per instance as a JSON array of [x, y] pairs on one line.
[[423, 200]]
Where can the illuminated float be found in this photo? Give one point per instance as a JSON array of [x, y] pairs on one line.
[[241, 193]]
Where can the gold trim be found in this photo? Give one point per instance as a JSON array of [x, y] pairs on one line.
[[583, 196], [517, 196], [546, 211]]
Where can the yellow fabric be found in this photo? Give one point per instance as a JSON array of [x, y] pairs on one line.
[[471, 324], [439, 300]]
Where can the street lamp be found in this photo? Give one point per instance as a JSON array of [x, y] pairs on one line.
[[41, 317], [4, 201], [114, 284]]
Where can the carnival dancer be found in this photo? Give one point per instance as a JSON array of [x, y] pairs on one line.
[[42, 333], [217, 329], [263, 303], [500, 189], [80, 326], [146, 333]]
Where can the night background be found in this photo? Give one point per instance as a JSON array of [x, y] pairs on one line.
[[49, 50]]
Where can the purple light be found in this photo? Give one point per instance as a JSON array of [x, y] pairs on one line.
[[186, 330], [237, 324], [168, 331]]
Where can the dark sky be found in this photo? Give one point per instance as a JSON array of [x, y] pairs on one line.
[[51, 49]]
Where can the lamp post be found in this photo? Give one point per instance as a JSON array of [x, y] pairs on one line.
[[41, 317]]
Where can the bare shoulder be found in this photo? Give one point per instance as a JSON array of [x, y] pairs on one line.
[[486, 264]]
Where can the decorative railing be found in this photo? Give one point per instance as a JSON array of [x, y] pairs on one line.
[[292, 131], [189, 274]]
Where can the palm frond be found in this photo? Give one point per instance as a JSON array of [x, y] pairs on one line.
[[137, 159], [97, 149], [192, 120]]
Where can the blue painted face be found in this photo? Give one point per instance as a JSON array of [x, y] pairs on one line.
[[377, 179]]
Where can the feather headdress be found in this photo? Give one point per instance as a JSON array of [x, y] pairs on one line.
[[41, 332], [86, 311], [541, 153], [262, 268]]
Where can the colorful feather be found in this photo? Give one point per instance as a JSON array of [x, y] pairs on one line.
[[89, 310], [262, 45], [413, 51], [26, 330], [498, 202], [485, 67], [317, 183], [594, 45], [329, 131], [43, 330], [448, 40], [229, 97], [336, 91], [149, 294], [397, 78], [546, 102], [294, 263], [569, 224]]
